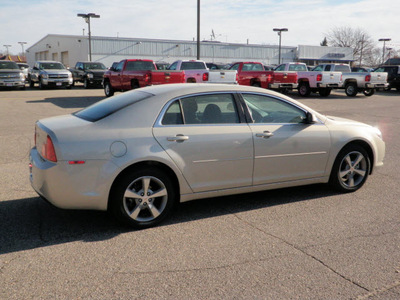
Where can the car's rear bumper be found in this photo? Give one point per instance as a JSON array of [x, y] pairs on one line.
[[70, 186]]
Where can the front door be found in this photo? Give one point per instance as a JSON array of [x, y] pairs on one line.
[[285, 148]]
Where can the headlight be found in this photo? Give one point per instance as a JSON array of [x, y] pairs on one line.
[[90, 75], [377, 132], [45, 75], [22, 76], [69, 75]]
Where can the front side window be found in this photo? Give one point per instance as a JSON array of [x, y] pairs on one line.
[[202, 109], [265, 109], [280, 68]]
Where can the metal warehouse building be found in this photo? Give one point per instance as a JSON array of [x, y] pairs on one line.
[[72, 48]]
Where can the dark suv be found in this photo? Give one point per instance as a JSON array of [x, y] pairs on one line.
[[393, 76]]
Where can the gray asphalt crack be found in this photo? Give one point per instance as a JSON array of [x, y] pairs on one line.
[[304, 252]]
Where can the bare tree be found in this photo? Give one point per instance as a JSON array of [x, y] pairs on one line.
[[359, 40]]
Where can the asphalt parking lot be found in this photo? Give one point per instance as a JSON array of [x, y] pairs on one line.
[[299, 243]]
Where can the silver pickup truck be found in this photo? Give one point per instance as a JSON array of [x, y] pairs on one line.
[[50, 73], [10, 75], [355, 82]]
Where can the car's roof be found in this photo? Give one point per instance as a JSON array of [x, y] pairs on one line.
[[192, 88]]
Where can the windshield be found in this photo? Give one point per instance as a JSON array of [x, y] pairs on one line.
[[94, 66], [51, 66], [109, 106], [8, 65]]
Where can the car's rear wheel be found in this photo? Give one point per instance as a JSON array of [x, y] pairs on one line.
[[304, 89], [351, 89], [351, 169], [108, 90], [143, 198]]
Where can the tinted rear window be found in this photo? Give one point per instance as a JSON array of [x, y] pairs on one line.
[[109, 106]]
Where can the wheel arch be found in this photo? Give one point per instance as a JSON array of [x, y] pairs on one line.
[[143, 164], [368, 149]]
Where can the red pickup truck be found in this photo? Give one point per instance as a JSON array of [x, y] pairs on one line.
[[134, 73], [253, 73]]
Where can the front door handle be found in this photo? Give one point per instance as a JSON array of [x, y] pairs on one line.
[[265, 134], [178, 138]]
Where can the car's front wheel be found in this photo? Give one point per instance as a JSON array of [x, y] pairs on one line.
[[143, 198], [351, 169], [86, 83]]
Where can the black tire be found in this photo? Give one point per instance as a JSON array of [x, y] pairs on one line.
[[324, 92], [256, 84], [369, 92], [351, 89], [304, 89], [108, 90], [31, 82], [131, 200], [41, 85], [351, 169], [86, 83]]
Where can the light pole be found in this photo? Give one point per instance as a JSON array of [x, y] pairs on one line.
[[22, 45], [279, 30], [384, 46], [87, 19], [198, 29], [7, 46]]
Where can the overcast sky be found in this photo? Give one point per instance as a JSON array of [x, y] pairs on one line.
[[234, 21]]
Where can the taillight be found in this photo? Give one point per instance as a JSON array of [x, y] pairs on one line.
[[237, 77], [147, 77], [48, 151], [319, 77], [367, 78], [205, 76]]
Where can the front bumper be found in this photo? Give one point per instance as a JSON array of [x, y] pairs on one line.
[[57, 82], [12, 83]]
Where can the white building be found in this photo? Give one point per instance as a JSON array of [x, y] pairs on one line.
[[72, 48]]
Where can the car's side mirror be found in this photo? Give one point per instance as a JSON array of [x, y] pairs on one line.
[[310, 119]]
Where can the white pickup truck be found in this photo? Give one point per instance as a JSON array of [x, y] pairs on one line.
[[312, 81], [355, 82], [197, 71]]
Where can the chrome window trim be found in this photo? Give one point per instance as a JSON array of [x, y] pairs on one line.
[[158, 122]]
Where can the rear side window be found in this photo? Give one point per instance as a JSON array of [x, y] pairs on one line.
[[202, 109], [193, 65], [140, 65], [109, 106]]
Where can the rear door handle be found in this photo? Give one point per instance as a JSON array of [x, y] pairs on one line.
[[178, 138], [265, 134]]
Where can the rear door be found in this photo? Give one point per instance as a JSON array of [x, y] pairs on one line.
[[208, 140]]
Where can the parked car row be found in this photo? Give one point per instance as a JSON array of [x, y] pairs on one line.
[[134, 73]]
